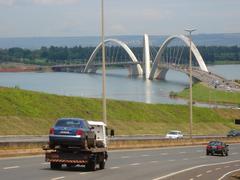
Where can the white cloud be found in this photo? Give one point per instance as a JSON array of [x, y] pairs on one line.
[[117, 29], [7, 2], [57, 2], [156, 14]]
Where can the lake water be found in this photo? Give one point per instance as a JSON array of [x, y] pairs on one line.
[[119, 85]]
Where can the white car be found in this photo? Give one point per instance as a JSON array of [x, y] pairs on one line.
[[174, 135]]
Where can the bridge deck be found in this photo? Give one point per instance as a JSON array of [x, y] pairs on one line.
[[210, 78]]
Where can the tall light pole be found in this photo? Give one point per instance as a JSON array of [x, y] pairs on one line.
[[190, 80], [104, 102]]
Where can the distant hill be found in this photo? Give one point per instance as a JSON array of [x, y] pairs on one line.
[[230, 39]]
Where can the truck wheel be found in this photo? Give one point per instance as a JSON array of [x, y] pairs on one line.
[[85, 144], [94, 143], [54, 165], [91, 166], [102, 164]]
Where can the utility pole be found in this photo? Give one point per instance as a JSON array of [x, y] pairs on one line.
[[190, 80], [104, 102]]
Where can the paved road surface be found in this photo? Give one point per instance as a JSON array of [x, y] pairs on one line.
[[149, 164]]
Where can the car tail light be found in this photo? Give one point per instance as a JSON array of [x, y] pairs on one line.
[[51, 131], [219, 147], [79, 132], [208, 147]]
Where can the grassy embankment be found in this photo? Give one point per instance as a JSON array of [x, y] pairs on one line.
[[32, 113], [202, 93]]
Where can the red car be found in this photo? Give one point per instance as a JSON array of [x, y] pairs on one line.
[[217, 147]]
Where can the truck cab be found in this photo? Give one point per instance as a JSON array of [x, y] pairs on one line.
[[100, 130]]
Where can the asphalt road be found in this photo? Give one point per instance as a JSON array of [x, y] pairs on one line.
[[153, 164]]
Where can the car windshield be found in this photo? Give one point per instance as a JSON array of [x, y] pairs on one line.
[[70, 123], [215, 143], [173, 132]]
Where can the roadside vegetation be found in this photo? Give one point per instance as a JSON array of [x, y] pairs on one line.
[[32, 113], [203, 93]]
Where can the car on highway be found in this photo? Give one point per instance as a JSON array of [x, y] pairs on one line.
[[72, 132], [233, 133], [174, 134], [217, 147]]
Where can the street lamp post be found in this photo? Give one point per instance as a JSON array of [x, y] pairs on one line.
[[104, 103], [190, 80]]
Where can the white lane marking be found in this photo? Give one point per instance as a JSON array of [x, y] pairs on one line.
[[135, 164], [172, 160], [234, 153], [202, 157], [199, 175], [57, 178], [11, 167], [199, 150], [164, 154], [191, 179], [217, 169], [125, 157], [83, 173], [228, 174], [154, 161], [227, 167], [114, 167], [209, 171], [45, 163], [189, 169], [145, 155], [185, 159], [183, 152]]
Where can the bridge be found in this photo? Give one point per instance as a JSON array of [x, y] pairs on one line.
[[173, 54]]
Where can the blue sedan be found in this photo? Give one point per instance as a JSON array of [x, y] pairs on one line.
[[74, 132]]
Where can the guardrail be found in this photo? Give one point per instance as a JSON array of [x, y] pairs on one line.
[[33, 145]]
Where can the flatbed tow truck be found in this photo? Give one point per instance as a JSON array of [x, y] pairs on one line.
[[73, 156]]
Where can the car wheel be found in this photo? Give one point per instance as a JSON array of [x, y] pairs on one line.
[[226, 153], [51, 146], [207, 153], [100, 144]]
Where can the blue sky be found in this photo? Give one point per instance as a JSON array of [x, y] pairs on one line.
[[37, 18]]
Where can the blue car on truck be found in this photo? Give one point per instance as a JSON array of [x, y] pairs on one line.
[[72, 132]]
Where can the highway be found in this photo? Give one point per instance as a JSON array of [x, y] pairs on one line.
[[144, 164]]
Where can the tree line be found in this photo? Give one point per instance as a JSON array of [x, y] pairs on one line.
[[78, 54]]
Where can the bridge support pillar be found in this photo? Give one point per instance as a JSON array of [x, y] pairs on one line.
[[162, 73], [146, 56], [134, 70]]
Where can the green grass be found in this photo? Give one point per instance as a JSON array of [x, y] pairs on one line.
[[202, 93], [32, 113]]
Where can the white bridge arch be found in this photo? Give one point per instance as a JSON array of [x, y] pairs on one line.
[[156, 68], [138, 69]]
